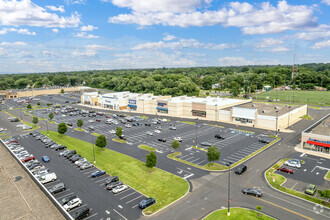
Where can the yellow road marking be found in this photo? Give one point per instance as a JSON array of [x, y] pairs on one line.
[[284, 208]]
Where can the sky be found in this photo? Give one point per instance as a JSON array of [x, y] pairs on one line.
[[73, 35]]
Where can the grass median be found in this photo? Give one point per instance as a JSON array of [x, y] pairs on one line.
[[119, 140], [24, 122], [237, 214], [327, 177], [145, 147], [79, 129], [188, 122], [153, 182], [95, 134], [276, 181]]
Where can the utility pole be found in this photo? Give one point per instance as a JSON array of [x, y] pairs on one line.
[[228, 212], [289, 116], [276, 122], [93, 148], [196, 131], [47, 126]]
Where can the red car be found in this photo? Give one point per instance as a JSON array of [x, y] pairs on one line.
[[28, 101], [28, 158], [285, 169], [107, 116], [98, 120], [12, 141]]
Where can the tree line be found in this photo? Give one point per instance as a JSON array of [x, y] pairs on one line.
[[178, 81]]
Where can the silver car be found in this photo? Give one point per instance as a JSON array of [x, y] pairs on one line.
[[86, 165]]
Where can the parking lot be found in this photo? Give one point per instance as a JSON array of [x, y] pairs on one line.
[[311, 172], [104, 204]]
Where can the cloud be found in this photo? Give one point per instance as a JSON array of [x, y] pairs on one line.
[[169, 37], [326, 2], [279, 49], [181, 44], [312, 35], [53, 8], [85, 35], [241, 61], [17, 13], [266, 42], [90, 50], [17, 43], [261, 19], [19, 31], [55, 30], [72, 2], [88, 28], [321, 44], [3, 52]]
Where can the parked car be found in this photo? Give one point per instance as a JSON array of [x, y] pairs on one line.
[[252, 191], [27, 158], [86, 165], [207, 144], [72, 204], [219, 136], [81, 213], [91, 128], [262, 140], [158, 127], [80, 161], [146, 202], [147, 124], [60, 147], [113, 185], [74, 158], [112, 132], [45, 158], [63, 152], [122, 137], [161, 139], [292, 164], [240, 169], [47, 178], [66, 199], [311, 189], [111, 179], [98, 120], [149, 133], [69, 124], [57, 188], [119, 189], [178, 139], [172, 127], [98, 173], [157, 131], [285, 169]]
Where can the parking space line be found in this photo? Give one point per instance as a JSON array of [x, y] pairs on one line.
[[183, 156], [119, 214], [74, 209], [189, 158], [101, 180], [200, 162], [135, 206], [91, 171], [127, 195], [134, 199], [194, 160], [122, 192], [63, 191], [91, 216], [64, 196]]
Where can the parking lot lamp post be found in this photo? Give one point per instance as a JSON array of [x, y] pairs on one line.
[[228, 164], [216, 114], [21, 114], [289, 116], [93, 148], [276, 122], [47, 126], [196, 131]]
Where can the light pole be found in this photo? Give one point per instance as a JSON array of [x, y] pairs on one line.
[[47, 126], [216, 114], [93, 148], [289, 116], [21, 114], [228, 164], [276, 122], [196, 131]]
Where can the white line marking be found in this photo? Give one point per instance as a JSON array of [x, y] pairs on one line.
[[119, 214], [91, 216], [186, 177], [134, 199], [127, 195]]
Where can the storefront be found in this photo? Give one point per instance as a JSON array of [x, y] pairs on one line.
[[317, 146], [244, 115], [132, 105], [199, 110], [108, 103], [162, 107]]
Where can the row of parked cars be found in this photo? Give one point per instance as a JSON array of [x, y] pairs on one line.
[[45, 176]]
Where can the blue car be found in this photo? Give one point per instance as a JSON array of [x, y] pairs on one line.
[[146, 202], [98, 173], [45, 159]]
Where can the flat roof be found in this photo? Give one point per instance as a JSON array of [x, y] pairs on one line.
[[267, 108], [323, 127]]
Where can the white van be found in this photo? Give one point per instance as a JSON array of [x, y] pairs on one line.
[[47, 178]]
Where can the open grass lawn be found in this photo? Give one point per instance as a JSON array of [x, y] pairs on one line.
[[163, 186], [304, 97], [237, 214], [145, 147]]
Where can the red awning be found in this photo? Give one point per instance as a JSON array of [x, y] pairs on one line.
[[318, 143]]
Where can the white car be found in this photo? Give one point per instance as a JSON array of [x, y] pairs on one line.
[[178, 139], [63, 115], [49, 177], [149, 133], [292, 163], [91, 121], [26, 127], [112, 132], [157, 131], [72, 204], [19, 126], [119, 189], [80, 161], [128, 125]]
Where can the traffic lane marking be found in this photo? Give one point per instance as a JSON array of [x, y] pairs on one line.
[[301, 215]]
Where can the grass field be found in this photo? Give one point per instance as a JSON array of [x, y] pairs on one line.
[[237, 214], [160, 184], [302, 97]]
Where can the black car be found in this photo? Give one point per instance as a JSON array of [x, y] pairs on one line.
[[60, 147], [147, 124], [66, 199], [70, 124], [161, 139], [252, 191], [111, 179], [69, 155], [70, 152], [146, 202], [122, 137], [81, 213], [14, 120], [264, 141], [57, 188], [113, 185], [219, 137], [240, 169]]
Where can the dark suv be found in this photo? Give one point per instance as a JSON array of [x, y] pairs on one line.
[[81, 213], [240, 169], [57, 188], [111, 179], [219, 137]]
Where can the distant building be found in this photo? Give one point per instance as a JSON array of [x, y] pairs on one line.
[[267, 88], [216, 86]]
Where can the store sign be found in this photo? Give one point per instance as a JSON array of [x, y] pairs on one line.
[[107, 101], [161, 104], [87, 99], [132, 101], [325, 142]]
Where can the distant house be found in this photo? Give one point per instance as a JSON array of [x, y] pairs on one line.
[[267, 88], [216, 86]]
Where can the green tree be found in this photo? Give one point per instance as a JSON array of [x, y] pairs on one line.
[[48, 104], [207, 82], [119, 131], [38, 104], [175, 144], [62, 128], [29, 106], [213, 154], [35, 120], [234, 88], [22, 83], [151, 159], [51, 115], [324, 194], [80, 123], [101, 141], [62, 91], [259, 208]]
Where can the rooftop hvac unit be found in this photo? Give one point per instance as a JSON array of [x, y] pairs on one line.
[[253, 105], [263, 111], [275, 107]]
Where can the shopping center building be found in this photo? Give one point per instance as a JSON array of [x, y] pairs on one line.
[[236, 111], [316, 139]]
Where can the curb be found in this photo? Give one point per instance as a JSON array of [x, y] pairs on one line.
[[240, 208]]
